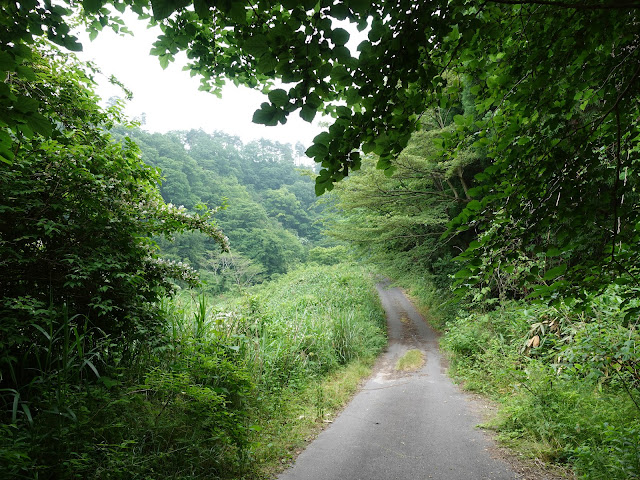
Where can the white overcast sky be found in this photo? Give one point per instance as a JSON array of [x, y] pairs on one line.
[[170, 98]]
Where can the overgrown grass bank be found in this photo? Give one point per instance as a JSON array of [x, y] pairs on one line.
[[568, 387], [219, 393], [567, 383], [321, 328]]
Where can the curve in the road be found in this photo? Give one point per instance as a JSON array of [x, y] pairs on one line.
[[407, 426]]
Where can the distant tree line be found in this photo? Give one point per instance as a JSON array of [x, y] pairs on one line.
[[270, 211]]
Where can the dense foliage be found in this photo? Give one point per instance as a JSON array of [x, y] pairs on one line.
[[80, 273], [400, 220], [512, 127], [553, 87], [227, 394], [568, 384], [557, 90], [81, 278]]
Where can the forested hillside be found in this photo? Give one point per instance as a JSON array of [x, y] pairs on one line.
[[270, 211], [400, 219]]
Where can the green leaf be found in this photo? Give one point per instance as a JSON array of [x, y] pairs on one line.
[[538, 291], [256, 45], [307, 113], [474, 206], [368, 147], [389, 171], [71, 43], [339, 11], [27, 73], [267, 63], [238, 13], [27, 412], [164, 8], [474, 245], [6, 155], [266, 115], [25, 130], [90, 364], [317, 151], [109, 382], [39, 124], [376, 32], [278, 97], [360, 6], [201, 8], [92, 6], [339, 36], [164, 61], [344, 112], [343, 55], [340, 75], [323, 139], [453, 35], [555, 272], [26, 104], [7, 62], [313, 100], [465, 273], [14, 410], [322, 186]]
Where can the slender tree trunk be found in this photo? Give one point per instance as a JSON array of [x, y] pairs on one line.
[[464, 184], [455, 192]]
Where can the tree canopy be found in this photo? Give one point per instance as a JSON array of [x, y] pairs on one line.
[[554, 87]]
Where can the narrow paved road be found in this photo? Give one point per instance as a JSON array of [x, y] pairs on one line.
[[403, 426]]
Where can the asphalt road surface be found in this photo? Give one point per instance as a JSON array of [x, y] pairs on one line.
[[409, 426]]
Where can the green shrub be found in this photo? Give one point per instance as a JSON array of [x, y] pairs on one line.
[[617, 457], [572, 395]]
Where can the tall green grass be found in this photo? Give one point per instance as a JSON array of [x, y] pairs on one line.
[[220, 391], [316, 319]]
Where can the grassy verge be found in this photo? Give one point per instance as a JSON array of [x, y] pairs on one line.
[[321, 329], [567, 387], [302, 414], [567, 383], [222, 392]]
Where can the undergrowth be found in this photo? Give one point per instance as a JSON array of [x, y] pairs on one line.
[[567, 380], [568, 385], [217, 392]]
